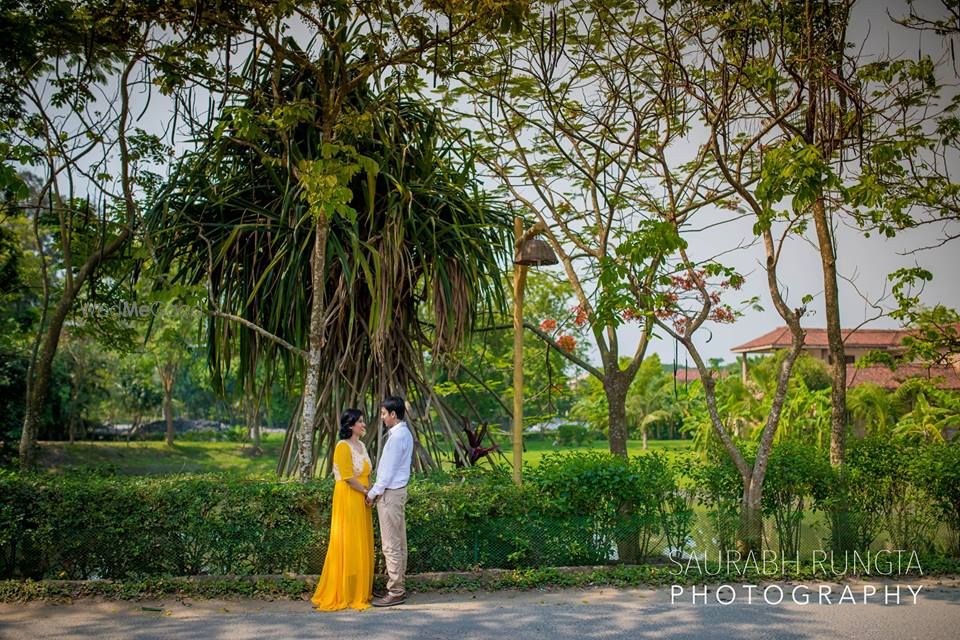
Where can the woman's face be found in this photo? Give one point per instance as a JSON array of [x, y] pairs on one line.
[[359, 427]]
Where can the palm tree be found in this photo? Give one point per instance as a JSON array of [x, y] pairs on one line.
[[413, 251], [648, 398], [872, 409]]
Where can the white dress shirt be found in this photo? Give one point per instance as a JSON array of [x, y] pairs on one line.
[[393, 468]]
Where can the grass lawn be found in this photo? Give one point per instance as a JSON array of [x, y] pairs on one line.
[[155, 458], [537, 447]]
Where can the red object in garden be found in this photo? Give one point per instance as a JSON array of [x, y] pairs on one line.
[[567, 343]]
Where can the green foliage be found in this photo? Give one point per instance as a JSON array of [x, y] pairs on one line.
[[485, 520], [794, 170], [739, 406], [591, 405], [812, 371], [798, 478], [938, 471], [573, 435], [572, 510], [636, 496], [929, 421], [880, 491], [805, 416], [871, 408], [936, 336], [413, 249], [86, 525], [93, 523], [326, 181], [650, 404], [719, 487], [53, 421]]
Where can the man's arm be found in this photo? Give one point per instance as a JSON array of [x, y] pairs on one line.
[[386, 469]]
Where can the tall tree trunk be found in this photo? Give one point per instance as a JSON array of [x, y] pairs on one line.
[[255, 435], [39, 382], [135, 427], [628, 538], [252, 415], [643, 434], [750, 537], [838, 366], [166, 376], [615, 387], [72, 423], [311, 382]]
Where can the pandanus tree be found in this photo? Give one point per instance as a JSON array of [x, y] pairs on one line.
[[412, 251]]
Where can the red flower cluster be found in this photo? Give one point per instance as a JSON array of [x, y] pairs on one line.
[[686, 282], [735, 283], [680, 324], [631, 314], [722, 313], [567, 343], [669, 310], [581, 316], [549, 324]]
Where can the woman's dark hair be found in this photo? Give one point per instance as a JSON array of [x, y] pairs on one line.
[[395, 404], [347, 419]]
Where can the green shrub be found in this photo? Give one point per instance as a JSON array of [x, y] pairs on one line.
[[798, 478], [881, 490], [573, 435], [636, 498], [938, 471], [719, 488], [574, 509], [83, 526]]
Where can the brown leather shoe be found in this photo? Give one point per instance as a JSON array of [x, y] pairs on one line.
[[389, 600]]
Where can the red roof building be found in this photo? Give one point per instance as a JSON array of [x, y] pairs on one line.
[[857, 343], [815, 341], [946, 377]]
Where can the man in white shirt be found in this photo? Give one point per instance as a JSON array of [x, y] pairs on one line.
[[389, 492]]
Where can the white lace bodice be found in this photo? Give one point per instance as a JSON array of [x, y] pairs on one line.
[[358, 460]]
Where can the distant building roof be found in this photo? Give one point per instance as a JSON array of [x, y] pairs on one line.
[[945, 376], [687, 375], [780, 338]]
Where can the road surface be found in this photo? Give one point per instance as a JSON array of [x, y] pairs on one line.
[[555, 614]]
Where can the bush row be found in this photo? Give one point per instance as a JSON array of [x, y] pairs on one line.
[[891, 493], [572, 512], [580, 508]]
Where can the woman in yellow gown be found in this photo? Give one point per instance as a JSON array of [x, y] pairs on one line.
[[347, 578]]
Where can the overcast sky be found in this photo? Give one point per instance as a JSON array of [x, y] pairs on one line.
[[867, 262]]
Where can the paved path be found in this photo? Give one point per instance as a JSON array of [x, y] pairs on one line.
[[556, 615]]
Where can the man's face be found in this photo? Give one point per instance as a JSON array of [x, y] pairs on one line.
[[389, 418]]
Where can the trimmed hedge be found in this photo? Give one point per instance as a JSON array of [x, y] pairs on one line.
[[89, 526], [575, 509], [78, 527]]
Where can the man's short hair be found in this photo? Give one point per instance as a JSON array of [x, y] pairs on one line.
[[394, 404]]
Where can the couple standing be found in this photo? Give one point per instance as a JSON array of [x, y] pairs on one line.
[[347, 578]]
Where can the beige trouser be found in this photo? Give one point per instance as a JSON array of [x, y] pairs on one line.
[[393, 537]]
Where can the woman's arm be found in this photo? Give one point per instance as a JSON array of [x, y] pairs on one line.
[[355, 484], [343, 459]]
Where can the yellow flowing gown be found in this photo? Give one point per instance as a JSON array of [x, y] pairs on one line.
[[347, 577]]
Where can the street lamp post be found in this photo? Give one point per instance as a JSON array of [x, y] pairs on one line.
[[529, 251]]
